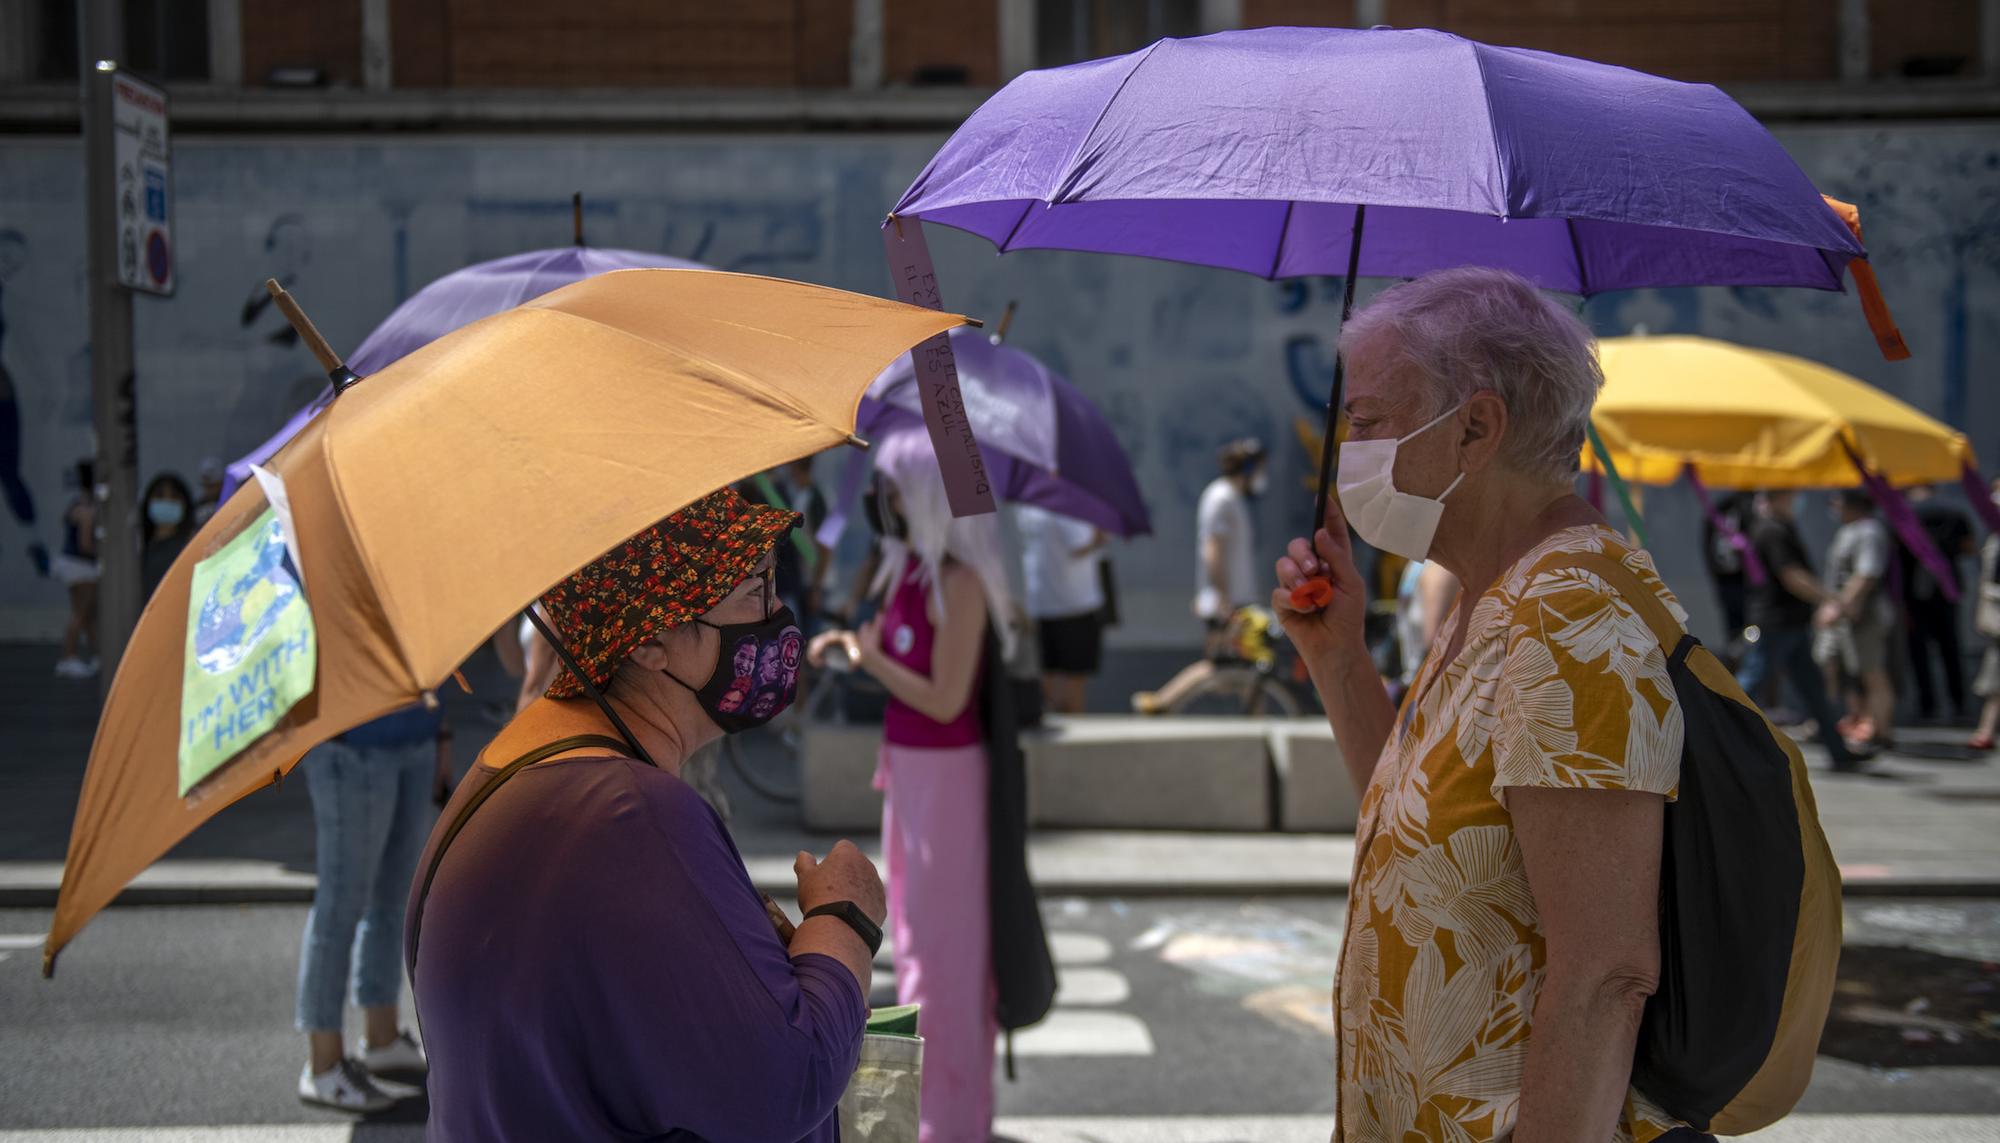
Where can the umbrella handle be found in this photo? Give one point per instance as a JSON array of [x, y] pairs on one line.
[[336, 369]]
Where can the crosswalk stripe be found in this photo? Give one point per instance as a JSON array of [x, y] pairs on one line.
[[1086, 1129], [1316, 1128]]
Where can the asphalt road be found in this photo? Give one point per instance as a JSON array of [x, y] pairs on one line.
[[1200, 1020]]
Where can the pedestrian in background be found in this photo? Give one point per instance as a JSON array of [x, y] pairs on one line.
[[1932, 617], [210, 474], [1725, 563], [942, 584], [1424, 596], [1225, 567], [803, 562], [1986, 620], [1782, 610], [1855, 625], [76, 568], [372, 791], [170, 524], [1060, 558]]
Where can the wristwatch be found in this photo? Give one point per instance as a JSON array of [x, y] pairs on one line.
[[869, 932]]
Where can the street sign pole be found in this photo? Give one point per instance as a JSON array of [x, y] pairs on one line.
[[113, 410]]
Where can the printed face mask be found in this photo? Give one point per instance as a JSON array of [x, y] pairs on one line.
[[756, 673], [1389, 520]]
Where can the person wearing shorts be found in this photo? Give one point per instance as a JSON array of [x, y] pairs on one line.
[[76, 568], [1066, 600], [1854, 626]]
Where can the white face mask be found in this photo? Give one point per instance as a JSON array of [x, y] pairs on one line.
[[1389, 520], [1260, 484]]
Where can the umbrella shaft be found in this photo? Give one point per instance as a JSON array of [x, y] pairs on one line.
[[1326, 447]]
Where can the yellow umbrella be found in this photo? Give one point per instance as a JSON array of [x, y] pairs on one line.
[[432, 501], [1751, 418]]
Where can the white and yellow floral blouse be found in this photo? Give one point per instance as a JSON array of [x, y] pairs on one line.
[[1560, 684]]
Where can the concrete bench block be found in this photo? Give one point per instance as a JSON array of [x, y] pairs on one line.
[[1166, 773], [836, 769], [1315, 795]]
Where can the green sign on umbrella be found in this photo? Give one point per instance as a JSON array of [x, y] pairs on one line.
[[252, 653]]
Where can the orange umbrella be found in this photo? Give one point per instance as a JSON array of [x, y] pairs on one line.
[[432, 501]]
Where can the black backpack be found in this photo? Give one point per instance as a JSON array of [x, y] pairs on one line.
[[1749, 900]]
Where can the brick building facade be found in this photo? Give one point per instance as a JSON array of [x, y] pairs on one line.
[[442, 45]]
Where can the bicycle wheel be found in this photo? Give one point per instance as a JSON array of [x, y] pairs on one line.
[[1268, 696]]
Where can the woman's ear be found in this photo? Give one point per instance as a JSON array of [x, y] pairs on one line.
[[1485, 426], [653, 654]]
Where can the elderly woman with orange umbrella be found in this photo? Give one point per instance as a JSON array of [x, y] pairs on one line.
[[361, 567]]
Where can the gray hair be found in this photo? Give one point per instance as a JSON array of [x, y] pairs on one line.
[[1475, 328]]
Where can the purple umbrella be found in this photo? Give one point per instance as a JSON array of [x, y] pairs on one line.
[[457, 299], [1049, 445], [1263, 151]]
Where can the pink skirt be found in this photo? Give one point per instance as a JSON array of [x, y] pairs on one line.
[[934, 854]]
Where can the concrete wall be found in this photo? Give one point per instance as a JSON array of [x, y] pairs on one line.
[[1181, 358]]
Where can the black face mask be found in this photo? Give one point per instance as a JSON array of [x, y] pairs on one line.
[[883, 519], [756, 673]]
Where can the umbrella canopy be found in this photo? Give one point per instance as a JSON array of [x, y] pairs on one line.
[[435, 499], [1051, 444], [1250, 150], [1752, 418], [460, 298]]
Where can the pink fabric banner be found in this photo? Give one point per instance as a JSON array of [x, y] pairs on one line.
[[1753, 567], [965, 479]]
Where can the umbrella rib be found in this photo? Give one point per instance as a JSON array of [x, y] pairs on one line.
[[1069, 168], [1016, 229], [750, 385], [1493, 131], [1576, 252], [1284, 228]]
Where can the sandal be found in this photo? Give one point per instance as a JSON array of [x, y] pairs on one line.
[[1980, 742]]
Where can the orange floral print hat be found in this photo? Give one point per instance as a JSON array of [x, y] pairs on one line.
[[663, 577]]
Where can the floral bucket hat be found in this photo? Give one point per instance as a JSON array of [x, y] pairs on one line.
[[661, 578]]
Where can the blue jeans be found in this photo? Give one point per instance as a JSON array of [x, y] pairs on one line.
[[1787, 651], [372, 811]]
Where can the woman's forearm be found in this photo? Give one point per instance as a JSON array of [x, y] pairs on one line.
[[1579, 1064], [1357, 707], [920, 693]]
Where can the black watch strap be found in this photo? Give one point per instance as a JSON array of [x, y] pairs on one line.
[[869, 932]]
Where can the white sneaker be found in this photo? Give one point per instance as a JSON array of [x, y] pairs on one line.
[[72, 668], [343, 1087], [399, 1057]]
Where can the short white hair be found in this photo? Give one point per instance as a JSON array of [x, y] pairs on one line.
[[1469, 329]]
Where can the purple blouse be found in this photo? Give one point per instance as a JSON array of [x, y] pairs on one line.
[[595, 964]]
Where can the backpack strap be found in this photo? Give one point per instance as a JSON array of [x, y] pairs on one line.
[[478, 799], [1644, 600]]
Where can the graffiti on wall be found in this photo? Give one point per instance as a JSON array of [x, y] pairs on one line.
[[1181, 358]]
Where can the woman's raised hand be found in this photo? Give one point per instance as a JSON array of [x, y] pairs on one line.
[[1322, 617]]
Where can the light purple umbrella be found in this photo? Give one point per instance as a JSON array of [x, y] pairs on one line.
[[1044, 442], [461, 298], [1264, 151]]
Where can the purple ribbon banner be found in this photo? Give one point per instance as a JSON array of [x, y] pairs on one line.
[[1981, 497], [1903, 521], [966, 484]]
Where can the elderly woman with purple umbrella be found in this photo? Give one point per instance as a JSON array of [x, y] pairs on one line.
[[1491, 895]]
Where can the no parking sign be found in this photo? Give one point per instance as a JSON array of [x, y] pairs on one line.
[[145, 242]]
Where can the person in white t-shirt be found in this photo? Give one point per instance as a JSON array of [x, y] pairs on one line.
[[1059, 561], [1225, 567]]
